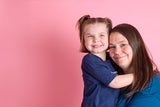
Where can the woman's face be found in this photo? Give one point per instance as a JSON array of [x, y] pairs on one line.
[[119, 50]]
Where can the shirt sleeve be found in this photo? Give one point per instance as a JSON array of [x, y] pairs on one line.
[[101, 70]]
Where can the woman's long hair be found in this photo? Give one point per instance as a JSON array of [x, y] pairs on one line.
[[142, 64]]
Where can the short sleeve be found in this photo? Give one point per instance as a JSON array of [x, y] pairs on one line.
[[101, 70]]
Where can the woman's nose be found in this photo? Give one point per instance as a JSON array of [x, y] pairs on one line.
[[117, 50]]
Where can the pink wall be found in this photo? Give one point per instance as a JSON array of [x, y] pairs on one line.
[[39, 46]]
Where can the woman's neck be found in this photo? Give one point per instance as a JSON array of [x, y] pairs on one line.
[[128, 70]]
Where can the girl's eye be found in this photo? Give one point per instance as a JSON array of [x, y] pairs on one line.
[[89, 36], [101, 35]]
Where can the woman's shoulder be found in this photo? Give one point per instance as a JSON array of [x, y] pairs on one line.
[[153, 87], [147, 97]]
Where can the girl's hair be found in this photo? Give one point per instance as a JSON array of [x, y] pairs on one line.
[[86, 20], [142, 63]]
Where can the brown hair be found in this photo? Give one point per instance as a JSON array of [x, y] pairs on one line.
[[142, 63], [85, 20]]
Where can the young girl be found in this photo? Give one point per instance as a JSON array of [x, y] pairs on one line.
[[101, 81]]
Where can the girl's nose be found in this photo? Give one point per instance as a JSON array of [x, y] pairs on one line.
[[96, 39]]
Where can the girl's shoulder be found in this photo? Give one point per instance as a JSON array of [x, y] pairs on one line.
[[92, 57]]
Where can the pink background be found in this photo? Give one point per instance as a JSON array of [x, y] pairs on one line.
[[39, 46]]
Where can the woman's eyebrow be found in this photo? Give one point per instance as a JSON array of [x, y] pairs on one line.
[[122, 41]]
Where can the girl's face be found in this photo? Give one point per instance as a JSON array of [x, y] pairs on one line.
[[119, 50], [96, 38]]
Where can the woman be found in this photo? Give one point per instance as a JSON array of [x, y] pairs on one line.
[[127, 50]]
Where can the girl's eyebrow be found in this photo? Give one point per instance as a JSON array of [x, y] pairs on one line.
[[87, 34], [103, 32]]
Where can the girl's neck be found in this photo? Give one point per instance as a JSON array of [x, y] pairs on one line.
[[101, 55]]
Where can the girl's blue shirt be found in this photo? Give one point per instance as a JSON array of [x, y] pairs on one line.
[[97, 74]]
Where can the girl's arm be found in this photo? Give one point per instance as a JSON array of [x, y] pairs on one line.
[[121, 81]]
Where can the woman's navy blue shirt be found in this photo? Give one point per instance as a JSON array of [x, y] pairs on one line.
[[97, 74]]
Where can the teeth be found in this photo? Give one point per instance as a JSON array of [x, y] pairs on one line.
[[96, 46]]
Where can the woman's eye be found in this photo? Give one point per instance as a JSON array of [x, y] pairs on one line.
[[122, 45], [111, 47]]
